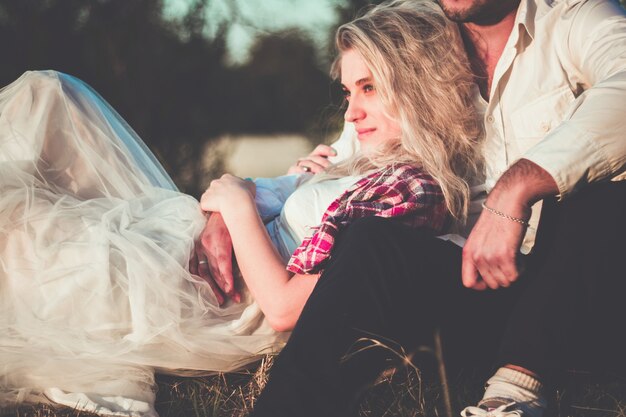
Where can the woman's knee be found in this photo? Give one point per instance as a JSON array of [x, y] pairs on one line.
[[378, 235], [374, 249]]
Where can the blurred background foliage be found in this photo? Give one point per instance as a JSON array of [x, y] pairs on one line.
[[170, 77]]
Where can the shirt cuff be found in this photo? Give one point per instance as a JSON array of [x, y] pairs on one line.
[[571, 156]]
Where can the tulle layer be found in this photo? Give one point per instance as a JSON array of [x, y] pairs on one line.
[[95, 240]]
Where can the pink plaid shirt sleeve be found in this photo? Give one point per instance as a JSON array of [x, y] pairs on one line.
[[402, 191]]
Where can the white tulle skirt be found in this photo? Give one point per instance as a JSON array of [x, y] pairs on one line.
[[95, 294]]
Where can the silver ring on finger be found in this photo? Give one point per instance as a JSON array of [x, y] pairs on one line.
[[203, 262]]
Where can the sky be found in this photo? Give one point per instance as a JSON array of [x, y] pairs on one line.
[[313, 17]]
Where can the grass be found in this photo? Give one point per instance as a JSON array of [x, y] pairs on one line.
[[402, 392]]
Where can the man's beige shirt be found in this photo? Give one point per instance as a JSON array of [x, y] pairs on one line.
[[558, 99]]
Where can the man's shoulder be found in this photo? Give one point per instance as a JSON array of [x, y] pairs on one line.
[[571, 12], [560, 19]]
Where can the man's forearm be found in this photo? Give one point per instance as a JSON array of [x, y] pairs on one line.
[[523, 184]]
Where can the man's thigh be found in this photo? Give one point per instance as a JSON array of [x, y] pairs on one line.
[[571, 310]]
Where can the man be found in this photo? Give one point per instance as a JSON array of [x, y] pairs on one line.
[[552, 81]]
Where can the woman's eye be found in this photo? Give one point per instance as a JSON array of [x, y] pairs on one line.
[[368, 88], [346, 94]]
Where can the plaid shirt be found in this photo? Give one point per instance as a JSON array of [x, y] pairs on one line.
[[401, 191]]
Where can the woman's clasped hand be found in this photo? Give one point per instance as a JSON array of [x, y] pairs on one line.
[[227, 193]]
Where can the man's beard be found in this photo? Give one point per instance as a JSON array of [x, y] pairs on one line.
[[480, 12]]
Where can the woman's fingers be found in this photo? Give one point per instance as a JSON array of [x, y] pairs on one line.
[[316, 162], [313, 164], [324, 150]]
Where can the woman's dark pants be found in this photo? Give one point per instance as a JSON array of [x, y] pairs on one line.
[[388, 283]]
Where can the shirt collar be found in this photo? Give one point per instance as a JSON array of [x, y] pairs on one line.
[[525, 18], [530, 11]]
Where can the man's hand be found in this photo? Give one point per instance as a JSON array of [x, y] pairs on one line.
[[489, 255], [213, 259], [492, 248], [316, 162]]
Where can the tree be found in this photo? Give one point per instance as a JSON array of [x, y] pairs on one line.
[[161, 82], [166, 78], [283, 85]]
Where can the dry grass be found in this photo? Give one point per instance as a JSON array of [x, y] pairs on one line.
[[222, 395], [44, 410], [401, 392]]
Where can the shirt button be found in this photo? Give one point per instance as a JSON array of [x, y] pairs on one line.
[[545, 126], [490, 119]]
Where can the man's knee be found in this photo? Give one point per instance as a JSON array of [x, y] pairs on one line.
[[596, 204]]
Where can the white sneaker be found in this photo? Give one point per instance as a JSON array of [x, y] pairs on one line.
[[500, 407]]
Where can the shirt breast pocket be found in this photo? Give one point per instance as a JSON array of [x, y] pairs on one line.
[[533, 121]]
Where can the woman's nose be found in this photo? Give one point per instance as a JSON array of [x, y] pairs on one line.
[[355, 111]]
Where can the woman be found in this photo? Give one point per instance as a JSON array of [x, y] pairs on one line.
[[95, 239], [401, 118]]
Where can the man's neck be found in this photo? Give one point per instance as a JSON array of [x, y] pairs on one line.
[[484, 46]]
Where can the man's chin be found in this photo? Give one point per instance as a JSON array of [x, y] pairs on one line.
[[458, 11], [479, 12]]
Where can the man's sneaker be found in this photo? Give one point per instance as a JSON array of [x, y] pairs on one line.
[[501, 407]]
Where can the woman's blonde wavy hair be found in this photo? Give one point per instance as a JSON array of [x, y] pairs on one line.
[[423, 78]]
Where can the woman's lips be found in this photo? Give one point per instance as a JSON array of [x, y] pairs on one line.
[[365, 131]]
